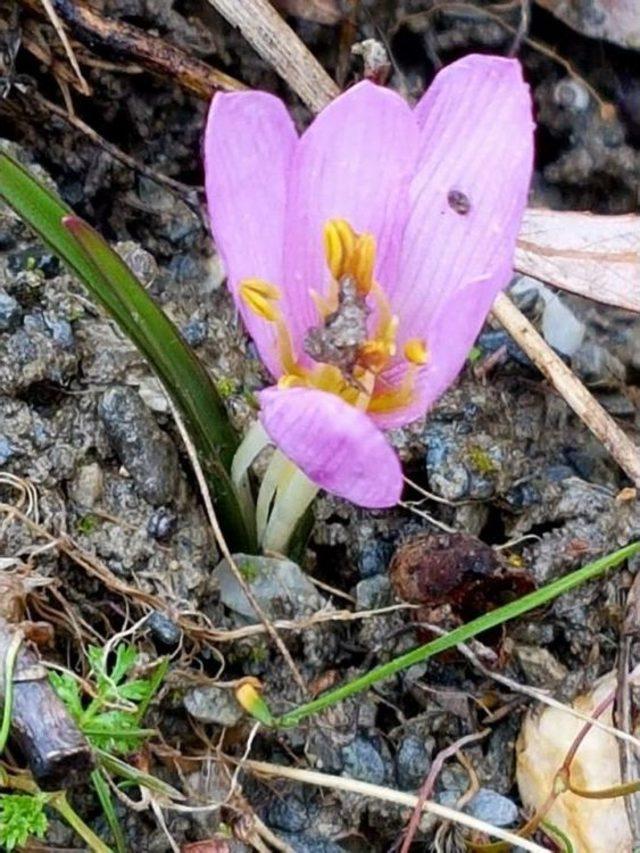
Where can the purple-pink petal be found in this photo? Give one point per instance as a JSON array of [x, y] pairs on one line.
[[467, 202], [354, 162], [249, 145], [336, 445]]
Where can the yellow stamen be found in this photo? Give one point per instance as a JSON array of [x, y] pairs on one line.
[[363, 260], [373, 355], [339, 242], [259, 295], [290, 380], [415, 351]]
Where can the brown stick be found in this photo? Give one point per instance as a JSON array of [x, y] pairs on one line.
[[57, 753], [601, 424], [153, 53], [276, 43]]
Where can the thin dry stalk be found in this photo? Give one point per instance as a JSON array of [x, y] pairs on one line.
[[389, 795], [427, 786], [217, 532], [601, 424], [278, 45], [57, 25]]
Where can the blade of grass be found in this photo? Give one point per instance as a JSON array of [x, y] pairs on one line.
[[460, 635], [106, 803], [114, 286]]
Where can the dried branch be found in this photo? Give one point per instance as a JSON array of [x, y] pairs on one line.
[[278, 45], [119, 39]]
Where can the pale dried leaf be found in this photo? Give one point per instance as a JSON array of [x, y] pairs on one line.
[[593, 826], [617, 21], [594, 256]]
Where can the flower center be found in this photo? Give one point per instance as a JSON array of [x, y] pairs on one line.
[[355, 339]]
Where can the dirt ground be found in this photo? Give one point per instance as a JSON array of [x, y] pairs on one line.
[[86, 425]]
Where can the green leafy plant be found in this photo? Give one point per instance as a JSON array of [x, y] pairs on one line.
[[110, 281], [21, 817], [111, 719]]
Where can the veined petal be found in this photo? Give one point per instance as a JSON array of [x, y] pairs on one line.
[[452, 332], [249, 145], [336, 445], [468, 195], [355, 163], [467, 202]]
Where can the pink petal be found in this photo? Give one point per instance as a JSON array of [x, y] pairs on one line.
[[336, 445], [354, 163], [476, 139], [249, 144]]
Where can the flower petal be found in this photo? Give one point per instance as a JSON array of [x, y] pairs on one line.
[[467, 202], [249, 144], [355, 163], [336, 445]]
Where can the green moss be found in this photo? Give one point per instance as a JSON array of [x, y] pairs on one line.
[[480, 460], [226, 387], [87, 524], [249, 570]]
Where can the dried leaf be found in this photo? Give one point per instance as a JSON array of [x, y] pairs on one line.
[[593, 826], [594, 256]]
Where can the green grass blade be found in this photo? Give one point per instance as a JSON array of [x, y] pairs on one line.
[[106, 803], [460, 635], [114, 286]]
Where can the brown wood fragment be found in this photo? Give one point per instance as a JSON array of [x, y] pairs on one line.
[[58, 755], [117, 38]]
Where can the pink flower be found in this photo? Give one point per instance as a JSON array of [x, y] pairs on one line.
[[365, 254]]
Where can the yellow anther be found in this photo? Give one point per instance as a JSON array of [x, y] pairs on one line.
[[364, 257], [415, 351], [289, 380], [259, 296], [373, 355]]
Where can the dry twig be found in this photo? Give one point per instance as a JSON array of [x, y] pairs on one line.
[[390, 795], [217, 532], [278, 45]]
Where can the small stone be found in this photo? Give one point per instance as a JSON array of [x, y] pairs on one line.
[[540, 667], [165, 632], [87, 485], [288, 813], [195, 332], [60, 330], [6, 451], [144, 449], [598, 368], [10, 312], [162, 524], [374, 557], [493, 808], [213, 705], [374, 592], [304, 843], [363, 761], [281, 588], [413, 760]]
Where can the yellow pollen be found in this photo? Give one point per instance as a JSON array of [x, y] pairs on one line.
[[363, 260], [415, 351], [339, 242], [259, 295], [290, 380]]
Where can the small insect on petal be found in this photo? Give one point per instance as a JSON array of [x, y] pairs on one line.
[[416, 351]]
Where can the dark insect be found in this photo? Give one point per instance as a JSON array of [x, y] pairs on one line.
[[459, 202]]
